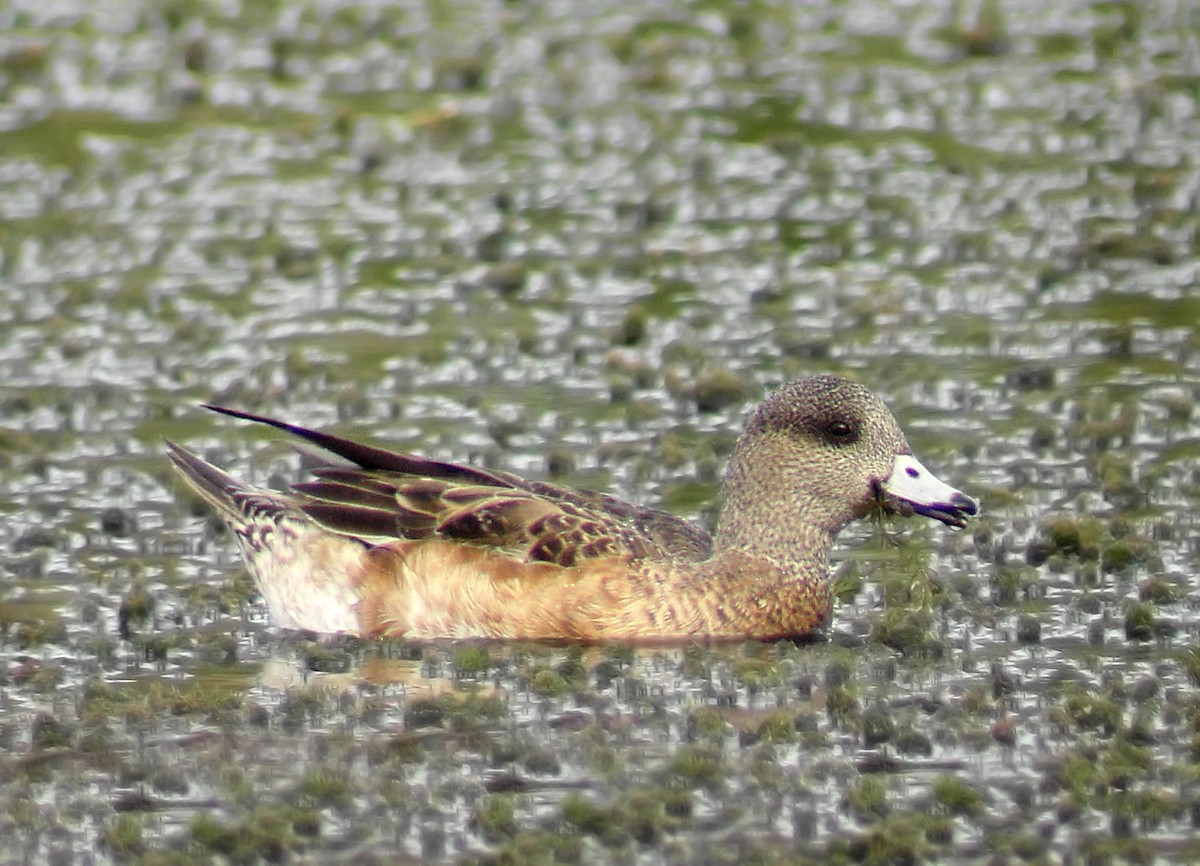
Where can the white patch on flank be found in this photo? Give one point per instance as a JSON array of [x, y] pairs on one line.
[[306, 576]]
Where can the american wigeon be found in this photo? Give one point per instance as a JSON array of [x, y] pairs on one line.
[[388, 544]]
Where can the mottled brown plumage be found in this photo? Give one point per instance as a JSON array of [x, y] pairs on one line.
[[382, 543]]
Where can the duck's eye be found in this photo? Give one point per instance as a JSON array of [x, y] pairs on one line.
[[841, 431]]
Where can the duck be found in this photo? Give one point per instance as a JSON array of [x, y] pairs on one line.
[[381, 543]]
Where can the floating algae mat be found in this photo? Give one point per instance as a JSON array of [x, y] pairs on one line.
[[576, 242]]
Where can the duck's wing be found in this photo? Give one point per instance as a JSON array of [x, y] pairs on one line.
[[386, 496]]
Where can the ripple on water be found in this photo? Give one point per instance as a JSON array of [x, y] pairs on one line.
[[580, 241]]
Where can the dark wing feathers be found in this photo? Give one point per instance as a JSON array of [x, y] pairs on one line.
[[367, 524], [347, 493], [371, 458], [393, 495]]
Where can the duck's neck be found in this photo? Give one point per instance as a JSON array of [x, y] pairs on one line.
[[774, 559], [771, 510], [798, 548]]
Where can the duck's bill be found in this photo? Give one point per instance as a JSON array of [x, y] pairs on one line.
[[913, 489]]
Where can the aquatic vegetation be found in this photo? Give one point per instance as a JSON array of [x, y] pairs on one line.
[[576, 248]]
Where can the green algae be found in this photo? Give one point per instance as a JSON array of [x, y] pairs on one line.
[[947, 223], [58, 138]]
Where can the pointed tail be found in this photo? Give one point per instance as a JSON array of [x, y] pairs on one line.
[[219, 489], [308, 577]]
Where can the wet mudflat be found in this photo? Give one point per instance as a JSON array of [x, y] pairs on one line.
[[577, 241]]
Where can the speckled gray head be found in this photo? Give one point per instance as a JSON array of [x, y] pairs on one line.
[[824, 449]]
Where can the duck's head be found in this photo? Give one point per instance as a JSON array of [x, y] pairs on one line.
[[824, 451]]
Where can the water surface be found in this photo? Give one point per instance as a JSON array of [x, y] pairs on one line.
[[578, 241]]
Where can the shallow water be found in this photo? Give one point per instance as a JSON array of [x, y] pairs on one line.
[[579, 240]]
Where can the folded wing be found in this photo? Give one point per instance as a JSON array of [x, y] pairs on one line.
[[387, 496]]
